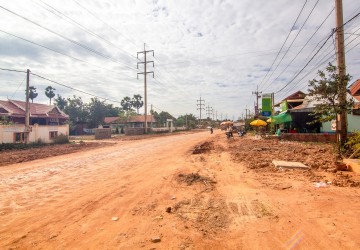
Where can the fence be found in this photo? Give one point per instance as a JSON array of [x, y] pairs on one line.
[[309, 137]]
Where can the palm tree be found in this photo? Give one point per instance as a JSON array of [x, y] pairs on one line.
[[136, 102], [32, 93], [49, 92]]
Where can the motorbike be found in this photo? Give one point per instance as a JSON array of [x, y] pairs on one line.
[[229, 134], [241, 133]]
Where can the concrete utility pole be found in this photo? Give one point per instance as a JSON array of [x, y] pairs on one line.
[[340, 56], [246, 113], [258, 95], [27, 108], [200, 103], [145, 62]]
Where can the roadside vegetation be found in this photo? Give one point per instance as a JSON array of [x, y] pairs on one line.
[[60, 139]]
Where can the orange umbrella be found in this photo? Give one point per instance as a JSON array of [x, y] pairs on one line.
[[258, 123]]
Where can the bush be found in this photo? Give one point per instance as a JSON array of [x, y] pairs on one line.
[[20, 146], [353, 144], [61, 139]]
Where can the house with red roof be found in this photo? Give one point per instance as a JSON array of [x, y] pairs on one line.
[[46, 122], [130, 126]]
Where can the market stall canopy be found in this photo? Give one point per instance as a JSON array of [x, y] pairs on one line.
[[282, 118], [270, 120], [258, 123], [226, 123]]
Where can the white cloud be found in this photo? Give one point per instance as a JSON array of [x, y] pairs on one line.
[[217, 49]]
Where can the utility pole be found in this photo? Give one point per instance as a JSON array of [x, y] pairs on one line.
[[246, 113], [151, 112], [200, 103], [216, 114], [27, 108], [340, 56], [258, 95], [145, 62]]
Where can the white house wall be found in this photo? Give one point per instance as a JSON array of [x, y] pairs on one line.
[[37, 132]]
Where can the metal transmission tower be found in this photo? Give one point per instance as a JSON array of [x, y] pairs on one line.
[[145, 62], [258, 95], [209, 111], [200, 103]]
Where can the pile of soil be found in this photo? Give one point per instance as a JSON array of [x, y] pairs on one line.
[[207, 215], [16, 156], [257, 154], [203, 147], [192, 178]]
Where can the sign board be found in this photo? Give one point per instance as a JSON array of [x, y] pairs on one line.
[[284, 106], [333, 125], [266, 103], [266, 113]]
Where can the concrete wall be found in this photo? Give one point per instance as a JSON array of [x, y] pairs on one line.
[[102, 133], [321, 137], [134, 131], [353, 124], [41, 132]]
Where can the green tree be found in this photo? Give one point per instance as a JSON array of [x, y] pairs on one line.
[[112, 111], [97, 112], [326, 91], [186, 120], [161, 117], [77, 111], [126, 103], [136, 102], [60, 102], [49, 92], [32, 93]]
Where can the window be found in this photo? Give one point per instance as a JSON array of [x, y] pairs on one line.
[[53, 134], [19, 137]]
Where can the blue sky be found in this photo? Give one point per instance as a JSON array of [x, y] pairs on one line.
[[219, 50]]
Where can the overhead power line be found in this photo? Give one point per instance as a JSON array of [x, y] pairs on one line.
[[91, 13], [78, 90], [56, 51], [284, 42], [297, 34], [68, 39], [333, 32], [13, 70], [70, 20], [287, 66]]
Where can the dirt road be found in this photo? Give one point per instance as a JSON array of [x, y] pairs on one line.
[[157, 194]]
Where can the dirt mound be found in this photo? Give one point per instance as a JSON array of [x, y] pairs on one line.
[[192, 178], [260, 154], [203, 147], [17, 156], [345, 180], [207, 215]]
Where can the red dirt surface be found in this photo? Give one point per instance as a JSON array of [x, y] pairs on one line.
[[155, 193]]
